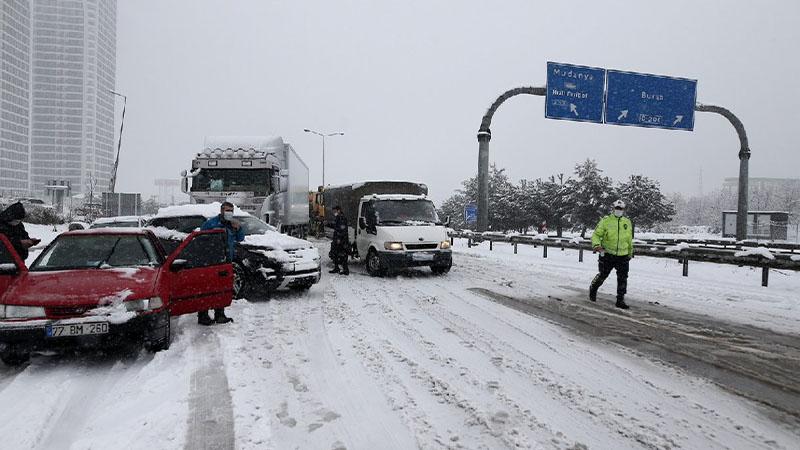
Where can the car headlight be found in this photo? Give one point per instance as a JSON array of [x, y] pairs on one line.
[[21, 312], [444, 245], [393, 245], [145, 304]]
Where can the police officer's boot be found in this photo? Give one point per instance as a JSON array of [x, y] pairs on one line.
[[621, 303], [335, 269], [345, 269]]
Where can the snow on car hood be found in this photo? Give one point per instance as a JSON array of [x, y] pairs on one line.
[[281, 247], [87, 288]]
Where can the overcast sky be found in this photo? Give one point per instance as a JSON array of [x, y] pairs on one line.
[[408, 82]]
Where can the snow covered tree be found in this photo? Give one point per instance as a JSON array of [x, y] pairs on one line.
[[503, 201], [646, 205], [552, 205], [589, 195]]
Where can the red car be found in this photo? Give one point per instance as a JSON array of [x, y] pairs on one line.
[[106, 286]]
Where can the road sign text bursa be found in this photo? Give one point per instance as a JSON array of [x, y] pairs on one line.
[[575, 92], [646, 100]]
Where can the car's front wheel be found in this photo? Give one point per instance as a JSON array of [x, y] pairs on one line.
[[13, 357], [374, 265], [239, 281], [159, 335]]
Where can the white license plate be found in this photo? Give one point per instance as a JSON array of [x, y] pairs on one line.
[[422, 256], [78, 329]]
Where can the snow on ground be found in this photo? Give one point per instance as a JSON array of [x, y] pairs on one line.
[[725, 292], [415, 361]]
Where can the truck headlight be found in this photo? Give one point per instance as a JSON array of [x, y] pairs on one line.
[[393, 245], [145, 304], [21, 312], [444, 245]]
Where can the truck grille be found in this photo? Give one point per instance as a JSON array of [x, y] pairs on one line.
[[422, 246]]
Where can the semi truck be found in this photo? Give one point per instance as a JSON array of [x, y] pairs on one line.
[[263, 176], [392, 224]]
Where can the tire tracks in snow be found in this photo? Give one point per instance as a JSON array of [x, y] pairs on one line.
[[210, 407]]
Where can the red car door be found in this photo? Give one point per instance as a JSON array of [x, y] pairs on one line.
[[200, 276], [10, 264]]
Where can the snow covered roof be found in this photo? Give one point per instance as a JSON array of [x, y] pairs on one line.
[[107, 230], [395, 197], [117, 219], [362, 183], [207, 210]]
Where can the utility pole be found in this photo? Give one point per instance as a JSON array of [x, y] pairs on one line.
[[112, 183]]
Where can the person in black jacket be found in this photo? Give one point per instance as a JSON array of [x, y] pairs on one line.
[[11, 226], [340, 247]]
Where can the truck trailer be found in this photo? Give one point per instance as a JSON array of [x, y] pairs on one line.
[[392, 224], [263, 176]]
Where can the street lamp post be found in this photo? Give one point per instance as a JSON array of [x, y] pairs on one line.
[[323, 135], [113, 181]]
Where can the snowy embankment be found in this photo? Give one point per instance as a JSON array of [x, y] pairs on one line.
[[721, 291]]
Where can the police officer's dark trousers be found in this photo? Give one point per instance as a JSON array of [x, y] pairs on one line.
[[606, 263]]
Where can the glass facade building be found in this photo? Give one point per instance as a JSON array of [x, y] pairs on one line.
[[58, 66], [15, 61]]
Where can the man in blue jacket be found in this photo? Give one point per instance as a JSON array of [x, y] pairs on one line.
[[233, 234]]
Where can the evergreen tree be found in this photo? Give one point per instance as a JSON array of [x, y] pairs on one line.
[[590, 195], [646, 205]]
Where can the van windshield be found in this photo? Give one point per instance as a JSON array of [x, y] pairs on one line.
[[405, 212]]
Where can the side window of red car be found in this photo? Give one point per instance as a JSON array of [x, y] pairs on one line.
[[205, 250]]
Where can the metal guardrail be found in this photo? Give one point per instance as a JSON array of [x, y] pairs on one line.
[[718, 252]]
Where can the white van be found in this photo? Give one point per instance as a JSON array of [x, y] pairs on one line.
[[393, 225]]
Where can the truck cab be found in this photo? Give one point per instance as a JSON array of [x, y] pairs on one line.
[[397, 231]]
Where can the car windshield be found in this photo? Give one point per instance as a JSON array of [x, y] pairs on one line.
[[115, 225], [252, 225], [97, 252], [405, 211], [237, 180]]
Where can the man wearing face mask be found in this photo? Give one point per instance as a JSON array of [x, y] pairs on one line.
[[234, 234], [11, 226], [613, 239]]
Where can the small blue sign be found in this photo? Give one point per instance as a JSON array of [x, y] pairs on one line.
[[645, 100], [574, 92], [471, 213]]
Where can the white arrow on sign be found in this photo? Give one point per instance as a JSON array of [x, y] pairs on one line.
[[623, 114], [573, 109], [678, 119]]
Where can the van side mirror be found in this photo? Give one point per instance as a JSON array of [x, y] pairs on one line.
[[178, 265], [447, 221]]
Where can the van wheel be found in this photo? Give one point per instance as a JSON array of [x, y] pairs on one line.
[[14, 358], [239, 281], [440, 270], [158, 337], [374, 266]]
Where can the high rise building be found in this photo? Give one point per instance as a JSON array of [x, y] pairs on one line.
[[15, 39], [73, 67]]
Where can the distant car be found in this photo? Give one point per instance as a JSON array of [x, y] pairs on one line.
[[118, 222], [102, 287], [266, 257]]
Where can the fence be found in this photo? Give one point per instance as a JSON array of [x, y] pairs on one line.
[[742, 253]]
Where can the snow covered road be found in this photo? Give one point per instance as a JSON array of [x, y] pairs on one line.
[[415, 361]]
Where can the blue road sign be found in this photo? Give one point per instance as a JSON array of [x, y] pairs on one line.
[[574, 92], [644, 100], [471, 213]]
